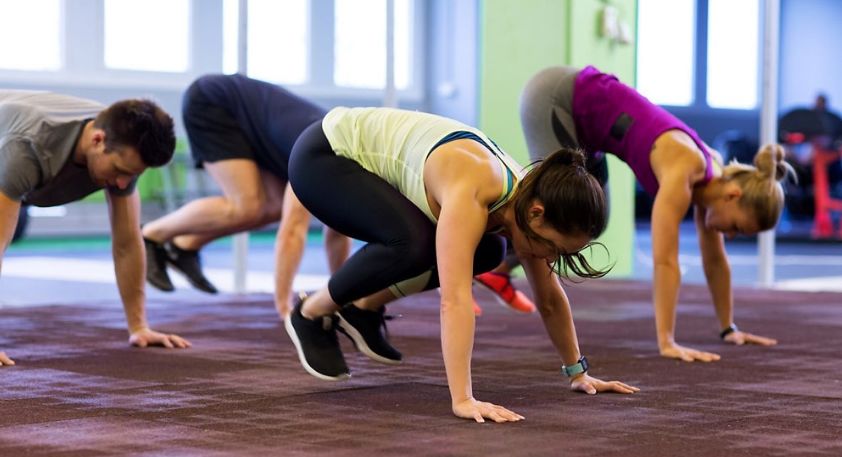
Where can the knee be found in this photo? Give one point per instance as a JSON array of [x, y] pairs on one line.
[[246, 212]]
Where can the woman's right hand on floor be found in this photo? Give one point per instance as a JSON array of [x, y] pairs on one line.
[[5, 360], [480, 410], [686, 354]]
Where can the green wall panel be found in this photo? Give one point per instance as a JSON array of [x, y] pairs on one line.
[[519, 38], [589, 48]]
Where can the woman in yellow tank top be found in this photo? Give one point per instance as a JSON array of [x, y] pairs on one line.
[[432, 197]]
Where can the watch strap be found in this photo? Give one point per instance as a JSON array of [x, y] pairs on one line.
[[728, 330], [580, 366]]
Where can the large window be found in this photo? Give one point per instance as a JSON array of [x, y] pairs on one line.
[[733, 57], [152, 35], [30, 34], [360, 43], [325, 48], [666, 50], [278, 39], [283, 48]]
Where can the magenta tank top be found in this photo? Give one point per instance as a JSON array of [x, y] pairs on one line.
[[612, 117]]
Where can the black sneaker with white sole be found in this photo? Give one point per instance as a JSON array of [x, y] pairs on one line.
[[367, 329], [317, 344]]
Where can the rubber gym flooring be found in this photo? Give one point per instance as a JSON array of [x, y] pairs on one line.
[[80, 390]]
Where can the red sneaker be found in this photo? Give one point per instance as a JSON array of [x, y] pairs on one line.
[[477, 309], [504, 291]]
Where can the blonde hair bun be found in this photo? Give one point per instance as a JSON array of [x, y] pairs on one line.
[[770, 162]]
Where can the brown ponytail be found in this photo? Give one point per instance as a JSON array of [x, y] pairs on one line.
[[574, 204]]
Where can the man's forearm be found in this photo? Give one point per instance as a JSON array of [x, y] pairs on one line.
[[129, 266]]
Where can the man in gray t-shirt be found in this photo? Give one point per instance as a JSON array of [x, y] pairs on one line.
[[55, 149]]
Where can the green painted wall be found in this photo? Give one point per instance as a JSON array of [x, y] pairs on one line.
[[518, 38]]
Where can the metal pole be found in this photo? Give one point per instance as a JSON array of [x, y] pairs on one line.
[[769, 125], [241, 240], [390, 94]]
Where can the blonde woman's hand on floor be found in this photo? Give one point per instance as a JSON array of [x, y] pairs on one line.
[[674, 351], [740, 338]]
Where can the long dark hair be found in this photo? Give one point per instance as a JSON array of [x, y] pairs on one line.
[[574, 204]]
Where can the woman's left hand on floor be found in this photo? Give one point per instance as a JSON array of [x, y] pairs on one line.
[[591, 385]]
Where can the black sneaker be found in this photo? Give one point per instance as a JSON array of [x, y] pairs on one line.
[[364, 329], [317, 345], [156, 266], [189, 264]]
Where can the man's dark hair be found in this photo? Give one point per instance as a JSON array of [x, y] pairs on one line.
[[141, 124]]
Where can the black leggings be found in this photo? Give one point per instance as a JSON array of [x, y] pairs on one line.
[[401, 240]]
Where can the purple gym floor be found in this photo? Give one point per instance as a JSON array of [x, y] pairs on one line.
[[79, 390]]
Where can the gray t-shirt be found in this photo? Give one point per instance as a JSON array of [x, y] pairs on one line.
[[38, 133]]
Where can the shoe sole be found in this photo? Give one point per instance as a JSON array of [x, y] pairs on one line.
[[499, 300], [303, 360], [360, 343], [195, 285], [161, 287]]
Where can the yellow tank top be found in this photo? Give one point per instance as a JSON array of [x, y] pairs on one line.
[[394, 145]]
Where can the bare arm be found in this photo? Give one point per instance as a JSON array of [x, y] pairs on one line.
[[461, 224], [554, 307], [671, 203], [130, 267], [338, 248], [129, 261], [9, 210], [718, 275], [463, 182], [716, 267], [289, 248]]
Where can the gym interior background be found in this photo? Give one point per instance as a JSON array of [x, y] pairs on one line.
[[465, 59]]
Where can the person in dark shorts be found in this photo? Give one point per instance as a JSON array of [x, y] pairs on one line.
[[56, 149], [241, 131]]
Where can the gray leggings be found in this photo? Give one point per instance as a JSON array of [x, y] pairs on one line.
[[546, 111], [546, 115]]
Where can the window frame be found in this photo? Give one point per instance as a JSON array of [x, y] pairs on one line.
[[61, 45], [700, 62], [83, 59]]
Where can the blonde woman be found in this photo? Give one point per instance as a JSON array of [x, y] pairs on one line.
[[591, 110]]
